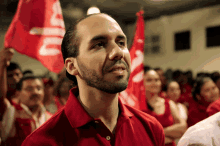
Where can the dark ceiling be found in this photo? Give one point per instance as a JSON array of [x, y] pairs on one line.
[[122, 9]]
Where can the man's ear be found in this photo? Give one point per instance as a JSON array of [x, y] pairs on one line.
[[70, 65]]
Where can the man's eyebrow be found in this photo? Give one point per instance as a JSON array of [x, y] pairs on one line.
[[103, 37], [99, 37], [121, 37]]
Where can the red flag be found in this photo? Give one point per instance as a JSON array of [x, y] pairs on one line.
[[134, 95], [37, 30]]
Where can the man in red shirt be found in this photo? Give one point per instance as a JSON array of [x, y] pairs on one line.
[[96, 57]]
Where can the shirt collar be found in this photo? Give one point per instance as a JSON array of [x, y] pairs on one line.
[[24, 107], [78, 116]]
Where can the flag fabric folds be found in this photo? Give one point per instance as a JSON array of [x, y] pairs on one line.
[[37, 30], [134, 95]]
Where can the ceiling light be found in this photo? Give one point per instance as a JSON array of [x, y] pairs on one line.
[[93, 10]]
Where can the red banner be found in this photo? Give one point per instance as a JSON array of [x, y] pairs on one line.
[[37, 30], [134, 95]]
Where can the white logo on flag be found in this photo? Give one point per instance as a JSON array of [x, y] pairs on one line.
[[56, 32]]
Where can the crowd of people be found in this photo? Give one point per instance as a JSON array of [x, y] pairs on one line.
[[82, 106], [195, 99]]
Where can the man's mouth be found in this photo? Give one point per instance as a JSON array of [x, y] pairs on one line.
[[118, 68]]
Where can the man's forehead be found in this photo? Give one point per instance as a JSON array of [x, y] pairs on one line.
[[97, 18], [17, 70], [32, 81], [97, 21]]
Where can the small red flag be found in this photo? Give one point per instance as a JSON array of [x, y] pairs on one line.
[[134, 95], [37, 30]]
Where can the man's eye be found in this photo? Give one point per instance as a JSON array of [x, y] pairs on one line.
[[121, 43], [100, 44]]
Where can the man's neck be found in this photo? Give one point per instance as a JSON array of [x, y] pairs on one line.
[[35, 110], [101, 105]]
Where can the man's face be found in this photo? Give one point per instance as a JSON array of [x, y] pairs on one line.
[[32, 92], [104, 60], [13, 77]]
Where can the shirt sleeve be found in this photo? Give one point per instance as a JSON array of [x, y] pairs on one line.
[[7, 120]]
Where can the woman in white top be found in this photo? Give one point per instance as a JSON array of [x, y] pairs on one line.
[[173, 93]]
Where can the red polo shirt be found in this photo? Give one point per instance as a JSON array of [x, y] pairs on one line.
[[74, 126], [213, 107]]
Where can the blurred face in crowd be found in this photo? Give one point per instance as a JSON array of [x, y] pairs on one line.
[[162, 76], [218, 83], [152, 82], [104, 60], [13, 77], [209, 91], [173, 91], [65, 87], [32, 92]]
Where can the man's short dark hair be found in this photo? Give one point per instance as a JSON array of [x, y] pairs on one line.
[[27, 77], [13, 66], [70, 44]]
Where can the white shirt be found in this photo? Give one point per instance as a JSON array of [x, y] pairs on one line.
[[204, 133], [9, 117]]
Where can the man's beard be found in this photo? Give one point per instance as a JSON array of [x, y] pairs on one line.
[[94, 80]]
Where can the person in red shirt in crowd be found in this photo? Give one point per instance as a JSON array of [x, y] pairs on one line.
[[163, 80], [213, 108], [216, 78], [204, 92], [185, 87], [97, 59], [164, 110], [14, 74], [56, 94], [23, 118]]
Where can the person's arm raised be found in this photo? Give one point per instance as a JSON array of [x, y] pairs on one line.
[[6, 55]]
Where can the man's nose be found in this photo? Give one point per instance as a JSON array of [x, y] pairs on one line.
[[116, 52]]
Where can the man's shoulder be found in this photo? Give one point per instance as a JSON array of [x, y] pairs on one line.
[[141, 115], [149, 123], [146, 119], [50, 132], [203, 132]]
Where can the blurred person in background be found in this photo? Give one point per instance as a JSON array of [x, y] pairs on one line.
[[204, 92], [14, 74], [19, 121], [10, 75], [173, 93], [162, 76], [56, 93], [186, 89], [189, 76], [163, 80], [48, 100], [203, 133], [216, 78], [164, 110]]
